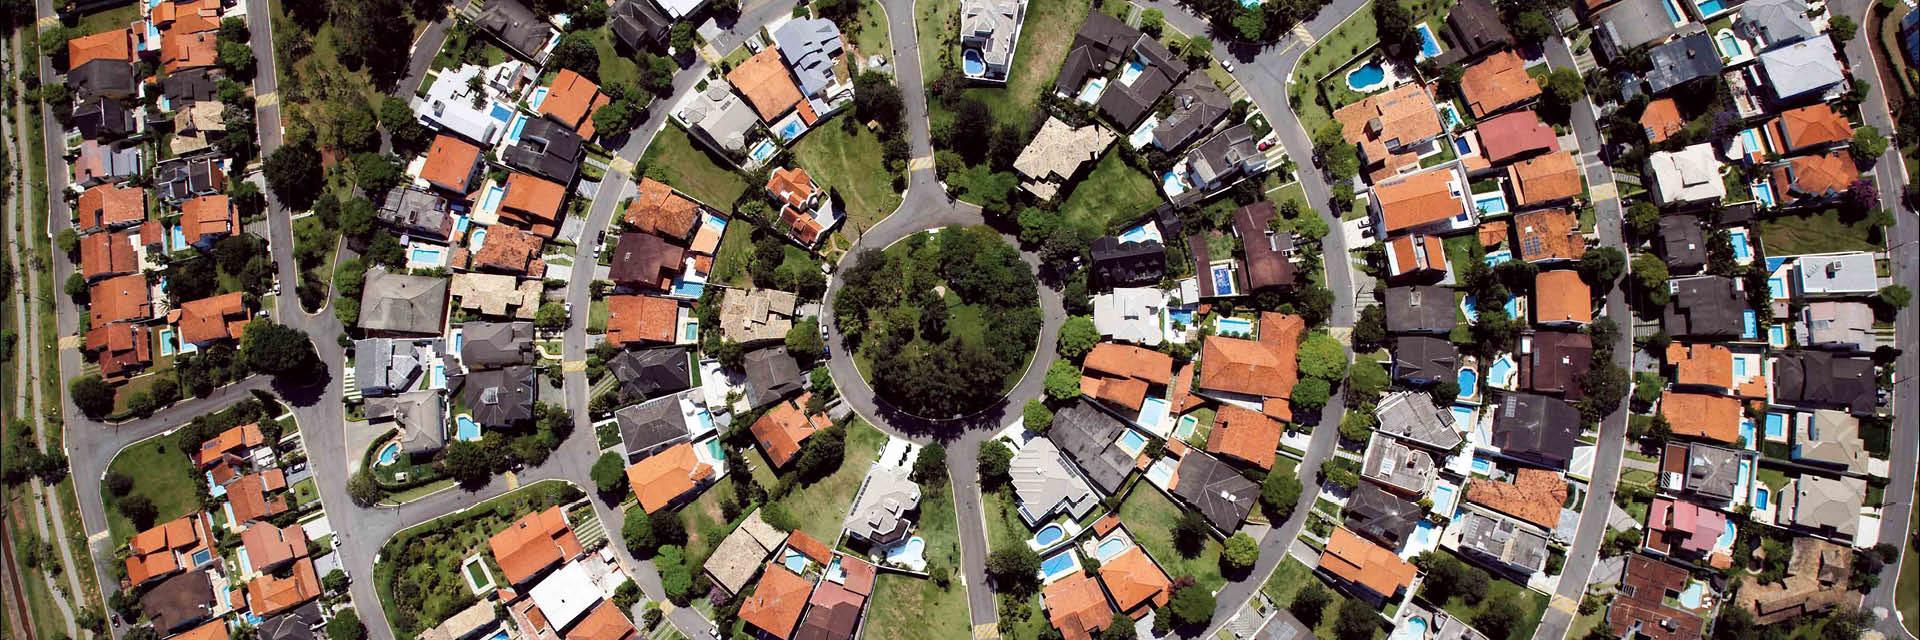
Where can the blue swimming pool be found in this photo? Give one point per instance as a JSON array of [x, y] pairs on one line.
[[1469, 381], [1471, 307], [202, 556], [1463, 417], [514, 129], [1741, 250], [1502, 371], [1132, 71], [538, 96], [1138, 233], [490, 201], [1235, 326], [706, 421], [500, 635], [1367, 77], [1048, 535], [1183, 315], [1223, 284], [1414, 629], [1450, 115], [1777, 287], [439, 376], [1131, 441], [425, 254], [465, 428], [1749, 325], [1760, 498], [1171, 183], [789, 129], [1725, 541], [1776, 425], [389, 454], [972, 63], [1111, 547], [178, 238], [1153, 411], [762, 151], [1673, 14], [167, 347], [1690, 598], [1482, 466], [1497, 258], [1057, 565], [1091, 92], [1746, 434], [1429, 45], [683, 288], [795, 561], [477, 240], [500, 112], [1708, 8], [1443, 500], [1763, 192], [1462, 147], [1490, 203]]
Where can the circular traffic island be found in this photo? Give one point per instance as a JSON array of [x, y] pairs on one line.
[[941, 324]]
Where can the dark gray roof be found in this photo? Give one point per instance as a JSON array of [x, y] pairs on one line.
[[297, 624], [1776, 22], [1704, 307], [1121, 264], [1097, 48], [500, 398], [651, 372], [638, 24], [179, 601], [489, 345], [1631, 23], [647, 427], [1711, 471], [190, 86], [1197, 105], [1675, 63], [1476, 28], [1536, 429], [1266, 262], [402, 303], [1222, 155], [1086, 434], [1216, 489], [547, 149], [182, 178], [103, 118], [1502, 540], [1420, 309], [1423, 359], [809, 46], [416, 212], [1557, 363], [1683, 243], [1821, 379], [101, 77], [421, 416], [1127, 104], [1102, 43], [516, 27], [1383, 517], [772, 374]]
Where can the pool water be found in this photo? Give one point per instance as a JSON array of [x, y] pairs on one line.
[[1414, 629], [1111, 547], [477, 240], [204, 556], [1490, 203], [1141, 233], [1223, 280], [1690, 598], [1132, 442], [1746, 434], [1450, 115], [1238, 326], [795, 561], [1462, 420], [178, 237], [1462, 147], [500, 112], [1092, 91], [762, 151], [1709, 7], [1776, 425], [1749, 325], [1469, 383], [1497, 258], [972, 64], [389, 454], [490, 201], [683, 288], [439, 376], [1171, 183], [499, 635], [1442, 501], [1367, 77], [1048, 535], [1673, 13], [1482, 466], [789, 128], [1725, 541], [513, 130], [1057, 565], [690, 331], [166, 341], [1777, 287], [1153, 411], [1760, 498], [425, 255], [465, 428], [1132, 72], [1429, 45], [714, 449], [538, 96], [1763, 192], [1729, 45], [910, 550], [1741, 250], [1501, 373]]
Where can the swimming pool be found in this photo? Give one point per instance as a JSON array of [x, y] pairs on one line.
[[1462, 147], [1673, 14], [1230, 325], [1131, 442], [1367, 77], [690, 331], [1185, 427], [389, 454], [499, 635], [684, 288], [1469, 381], [909, 551], [1690, 598], [204, 556], [1776, 425], [1725, 541], [1490, 203], [426, 255], [1746, 434], [1429, 45], [795, 561], [500, 112], [465, 428], [1091, 92], [1709, 8], [1416, 626], [1500, 257], [1741, 250], [439, 376], [1760, 498], [1132, 71], [715, 450], [1170, 182], [789, 128], [1463, 417], [178, 237], [972, 63], [1749, 325], [1140, 233], [1450, 115], [513, 130], [538, 96], [166, 341], [1223, 280], [1777, 336], [1777, 287], [762, 151], [1482, 466], [1048, 535], [1502, 372], [1153, 411], [1111, 547], [1442, 500], [1751, 146], [1058, 565], [490, 201], [1763, 192], [1470, 307], [477, 240], [1729, 45]]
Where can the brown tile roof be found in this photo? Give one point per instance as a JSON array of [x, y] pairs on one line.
[[107, 253], [222, 317], [570, 100], [533, 202], [119, 298], [801, 225], [775, 605], [212, 630], [120, 349], [1416, 200], [1357, 561], [1661, 120], [1235, 365], [1535, 495], [535, 542], [208, 218], [1699, 415], [1126, 392], [1498, 82], [1076, 606], [247, 496], [763, 79], [152, 553], [182, 49], [781, 430], [1812, 125], [656, 209], [1701, 364], [1412, 253], [114, 44], [663, 477], [1511, 135], [508, 249], [1136, 583], [1244, 434], [235, 440], [791, 187], [1493, 233], [645, 259], [1546, 178], [1818, 175], [269, 546], [1128, 361], [1641, 607], [1402, 115], [633, 319], [809, 546], [268, 595], [450, 163], [110, 205], [603, 622], [1550, 234]]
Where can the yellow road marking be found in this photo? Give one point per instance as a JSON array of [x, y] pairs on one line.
[[621, 165], [48, 22], [513, 481], [1301, 33], [986, 632], [267, 99], [71, 342], [570, 366], [922, 162], [1565, 604], [1603, 192]]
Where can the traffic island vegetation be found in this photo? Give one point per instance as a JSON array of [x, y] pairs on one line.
[[941, 323], [419, 575]]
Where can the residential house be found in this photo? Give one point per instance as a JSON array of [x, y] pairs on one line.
[[180, 179], [1700, 415], [1221, 160], [1104, 44], [1772, 23], [236, 442], [1245, 435], [107, 254], [1561, 298], [1705, 308], [1380, 516], [108, 207], [651, 427], [804, 207], [833, 613], [1534, 429], [420, 416], [1416, 257], [651, 373], [1810, 128], [1367, 570], [402, 304], [1057, 154], [774, 607], [1629, 24], [645, 261], [1534, 496], [1819, 379], [1412, 416], [881, 508], [1136, 583], [499, 398], [1498, 83], [1045, 485], [772, 375], [1255, 372], [298, 623], [198, 126], [571, 101], [1687, 176], [257, 496], [419, 213], [104, 119], [269, 547], [461, 101], [1702, 470], [1710, 367], [517, 29], [1827, 324], [717, 115], [739, 555], [763, 79], [119, 299], [638, 25], [1813, 179], [546, 149], [1123, 374], [783, 430], [207, 321], [179, 601], [491, 345], [1816, 580], [452, 164], [533, 544], [1419, 309], [1837, 275], [1395, 465], [1076, 606], [810, 47], [1545, 179], [1390, 127], [1682, 243], [207, 219], [1474, 28], [1197, 106], [1683, 529], [1131, 263], [659, 210], [1555, 362], [98, 163], [1549, 236], [1807, 69], [121, 350], [991, 27], [494, 295], [636, 320], [168, 548], [1829, 507], [1430, 201], [1130, 314], [1680, 62], [1502, 543], [1087, 434], [1423, 360], [191, 86], [752, 316], [1514, 135], [1268, 261], [386, 366], [1661, 120]]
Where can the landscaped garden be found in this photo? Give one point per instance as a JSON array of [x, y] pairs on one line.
[[419, 573], [915, 609], [163, 478], [1113, 194], [1294, 587], [1154, 521], [941, 323]]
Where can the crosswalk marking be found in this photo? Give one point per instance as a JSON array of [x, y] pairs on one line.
[[1301, 33], [922, 162], [267, 99], [570, 366]]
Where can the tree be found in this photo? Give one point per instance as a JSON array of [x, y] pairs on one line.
[[117, 483], [362, 488], [803, 340], [1241, 552], [1644, 218], [1367, 380], [1014, 569], [675, 577], [1322, 357], [346, 625], [1310, 394], [1192, 605], [1563, 87], [1119, 627], [1251, 24], [1868, 144], [1063, 381], [1370, 329], [996, 463], [930, 466], [1278, 494], [138, 509], [1499, 618], [467, 462], [1650, 273], [76, 286], [1601, 266], [576, 51], [293, 173], [1036, 416], [1152, 21], [610, 475], [408, 135], [680, 38], [1190, 534], [1077, 337], [1896, 296], [91, 395], [1356, 620], [1310, 604], [1842, 27], [821, 454], [552, 315], [1395, 23], [1358, 425], [277, 349], [67, 240], [1531, 26], [876, 99], [637, 531], [376, 173]]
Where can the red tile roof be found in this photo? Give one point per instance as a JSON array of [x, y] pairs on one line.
[[268, 595], [113, 44], [110, 205], [208, 218], [571, 100], [1544, 179], [1076, 606], [222, 317], [1810, 126], [121, 349], [248, 497], [1498, 82], [1266, 368], [1550, 234], [663, 477], [781, 430], [1416, 200], [1357, 561], [1535, 495], [107, 253], [775, 605], [656, 209], [1247, 435], [1136, 583], [1511, 135], [764, 80], [603, 622], [451, 164], [1699, 415], [233, 441], [118, 299], [534, 543], [533, 203], [1661, 120], [511, 250], [635, 319], [269, 546], [1561, 296]]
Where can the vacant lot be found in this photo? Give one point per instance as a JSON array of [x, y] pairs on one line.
[[1820, 232], [1111, 195], [162, 473], [1151, 517], [673, 158], [913, 609], [1045, 37], [849, 163]]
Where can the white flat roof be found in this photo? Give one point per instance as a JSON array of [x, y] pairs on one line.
[[566, 594]]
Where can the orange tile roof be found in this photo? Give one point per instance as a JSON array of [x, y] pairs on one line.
[[269, 546], [533, 543], [802, 225], [222, 317], [1661, 120], [1248, 435], [1416, 200], [212, 630], [1829, 172], [1181, 396], [1808, 126], [1076, 606], [208, 218], [1498, 82], [764, 80], [450, 163], [107, 253], [632, 319], [1126, 392], [181, 51], [119, 298], [570, 98], [1355, 560], [656, 209], [1701, 364], [1550, 234], [663, 477], [809, 546], [1493, 233], [533, 201], [775, 605], [1135, 582], [110, 205], [1535, 495], [706, 239], [114, 44], [790, 187], [268, 595], [247, 496], [1128, 361], [1416, 253], [603, 622], [780, 431], [1403, 115], [508, 249], [1545, 178], [152, 553], [1266, 368], [234, 440], [1561, 296], [1699, 415], [120, 349]]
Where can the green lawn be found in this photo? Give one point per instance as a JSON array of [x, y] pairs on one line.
[[849, 164], [870, 32], [1151, 516], [1331, 53], [597, 314], [1287, 581], [1113, 194], [1045, 36], [305, 492], [906, 608], [1906, 594], [1814, 233], [1532, 606], [821, 507], [162, 473], [614, 67], [673, 159], [1004, 526], [937, 25], [115, 18], [1292, 191], [704, 521], [736, 250]]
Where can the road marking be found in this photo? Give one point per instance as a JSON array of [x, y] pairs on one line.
[[48, 22], [1301, 33], [922, 162], [570, 366], [1602, 193], [267, 99], [622, 165], [513, 481], [1565, 604], [71, 342], [98, 536], [986, 631]]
